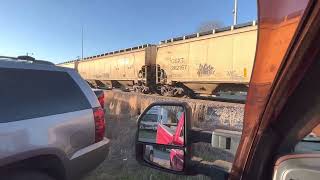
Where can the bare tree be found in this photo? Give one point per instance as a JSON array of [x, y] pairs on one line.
[[209, 25]]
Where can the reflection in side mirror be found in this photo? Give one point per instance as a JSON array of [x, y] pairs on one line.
[[164, 138], [161, 137], [163, 125], [163, 157]]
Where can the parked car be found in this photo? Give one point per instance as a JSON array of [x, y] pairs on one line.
[[51, 123], [155, 116], [149, 152]]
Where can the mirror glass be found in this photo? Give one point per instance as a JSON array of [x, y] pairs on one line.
[[164, 157], [163, 125]]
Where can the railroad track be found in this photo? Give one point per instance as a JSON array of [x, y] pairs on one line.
[[226, 98]]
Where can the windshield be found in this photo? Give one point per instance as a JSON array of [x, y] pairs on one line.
[[136, 52]]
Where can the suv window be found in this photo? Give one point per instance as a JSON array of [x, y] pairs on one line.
[[26, 94], [151, 117]]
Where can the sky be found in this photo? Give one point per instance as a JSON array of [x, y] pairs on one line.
[[51, 29]]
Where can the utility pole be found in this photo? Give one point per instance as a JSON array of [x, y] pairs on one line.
[[82, 42], [235, 12]]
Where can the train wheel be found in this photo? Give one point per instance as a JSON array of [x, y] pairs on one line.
[[145, 90], [165, 91], [137, 89], [186, 96]]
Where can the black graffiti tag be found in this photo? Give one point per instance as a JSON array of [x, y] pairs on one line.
[[205, 70]]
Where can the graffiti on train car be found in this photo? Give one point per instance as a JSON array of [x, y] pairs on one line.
[[178, 64], [234, 75], [205, 70]]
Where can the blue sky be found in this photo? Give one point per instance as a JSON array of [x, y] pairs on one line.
[[51, 29]]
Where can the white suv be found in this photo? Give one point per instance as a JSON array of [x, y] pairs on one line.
[[51, 123]]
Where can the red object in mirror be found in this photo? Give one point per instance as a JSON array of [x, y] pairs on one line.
[[177, 159], [166, 136]]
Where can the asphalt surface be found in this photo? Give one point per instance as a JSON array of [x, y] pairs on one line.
[[161, 158]]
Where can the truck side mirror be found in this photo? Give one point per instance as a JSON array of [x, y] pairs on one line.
[[164, 138], [161, 141]]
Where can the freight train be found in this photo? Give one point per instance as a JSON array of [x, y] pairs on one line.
[[207, 63]]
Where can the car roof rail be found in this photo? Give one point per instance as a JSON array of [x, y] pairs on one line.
[[27, 58]]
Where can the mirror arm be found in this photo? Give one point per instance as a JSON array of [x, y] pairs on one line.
[[198, 135], [214, 170]]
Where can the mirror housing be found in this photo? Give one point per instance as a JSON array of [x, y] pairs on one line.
[[161, 139], [164, 138]]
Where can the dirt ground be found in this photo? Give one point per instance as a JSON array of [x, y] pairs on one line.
[[121, 114], [121, 163]]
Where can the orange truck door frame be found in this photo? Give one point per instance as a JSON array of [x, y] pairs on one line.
[[282, 27]]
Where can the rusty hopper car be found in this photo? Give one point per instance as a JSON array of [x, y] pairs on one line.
[[207, 63], [125, 69]]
